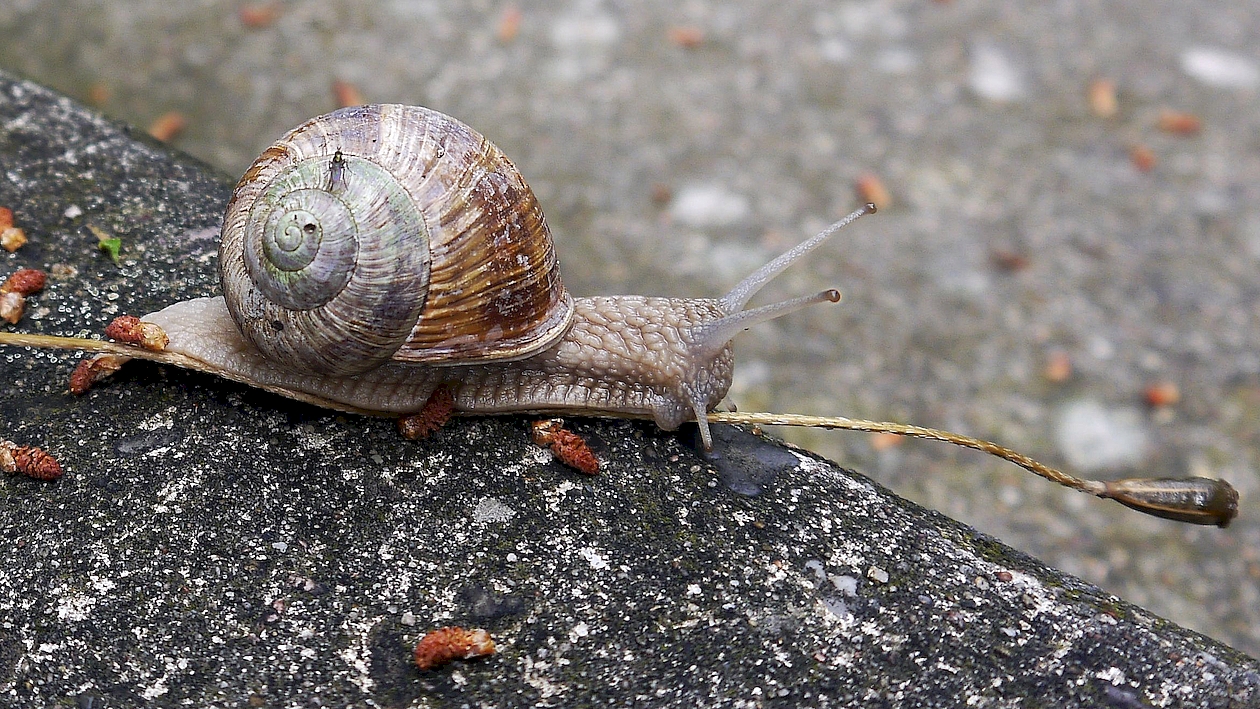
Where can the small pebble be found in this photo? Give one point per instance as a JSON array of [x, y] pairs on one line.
[[1102, 98], [1058, 367], [709, 205], [1161, 394], [686, 37], [1220, 69], [1179, 122], [509, 23], [994, 76], [347, 94], [1093, 437], [1142, 157], [168, 126]]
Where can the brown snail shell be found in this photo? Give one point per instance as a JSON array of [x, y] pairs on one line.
[[389, 232]]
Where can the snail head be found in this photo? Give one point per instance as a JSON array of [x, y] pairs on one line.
[[709, 339]]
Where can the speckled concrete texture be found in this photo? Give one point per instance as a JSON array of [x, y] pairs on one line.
[[668, 168], [215, 546]]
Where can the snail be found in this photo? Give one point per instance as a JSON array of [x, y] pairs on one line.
[[377, 253]]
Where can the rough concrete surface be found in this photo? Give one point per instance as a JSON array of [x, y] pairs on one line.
[[673, 162], [216, 546]]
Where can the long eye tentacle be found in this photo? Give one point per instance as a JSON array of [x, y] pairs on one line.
[[734, 301], [712, 336]]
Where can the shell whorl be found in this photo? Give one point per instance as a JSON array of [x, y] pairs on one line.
[[389, 232]]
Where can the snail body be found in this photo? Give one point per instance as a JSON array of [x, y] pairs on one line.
[[577, 374], [378, 252]]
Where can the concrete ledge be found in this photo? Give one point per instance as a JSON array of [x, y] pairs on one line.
[[216, 546]]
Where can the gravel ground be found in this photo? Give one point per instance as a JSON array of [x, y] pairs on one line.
[[675, 146]]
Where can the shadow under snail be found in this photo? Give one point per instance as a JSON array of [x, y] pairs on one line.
[[379, 252]]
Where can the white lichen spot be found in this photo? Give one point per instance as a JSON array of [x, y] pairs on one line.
[[535, 675], [102, 585], [594, 558], [818, 469], [582, 42], [583, 31], [162, 419], [693, 589], [209, 233], [75, 606], [155, 690], [844, 584], [579, 631], [310, 439], [360, 658], [558, 493], [1114, 675], [490, 509], [836, 611]]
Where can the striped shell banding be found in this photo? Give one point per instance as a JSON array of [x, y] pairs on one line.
[[379, 233]]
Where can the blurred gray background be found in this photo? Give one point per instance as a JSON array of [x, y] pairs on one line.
[[1045, 265]]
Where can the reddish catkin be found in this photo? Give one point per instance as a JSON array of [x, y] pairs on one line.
[[24, 281], [29, 461], [129, 329], [568, 447], [92, 370], [445, 645], [572, 450], [437, 410]]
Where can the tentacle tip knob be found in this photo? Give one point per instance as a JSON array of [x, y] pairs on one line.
[[869, 208]]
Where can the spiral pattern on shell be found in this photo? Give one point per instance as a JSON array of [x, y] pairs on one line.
[[389, 232]]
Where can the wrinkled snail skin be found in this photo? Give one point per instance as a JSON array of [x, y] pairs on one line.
[[624, 355]]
